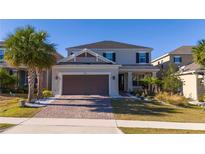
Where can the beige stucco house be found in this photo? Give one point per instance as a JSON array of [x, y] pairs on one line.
[[192, 76], [104, 68], [179, 57], [189, 72]]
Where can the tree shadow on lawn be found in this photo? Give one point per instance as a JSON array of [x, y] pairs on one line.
[[135, 107]]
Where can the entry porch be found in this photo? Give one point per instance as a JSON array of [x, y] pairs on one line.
[[130, 77]]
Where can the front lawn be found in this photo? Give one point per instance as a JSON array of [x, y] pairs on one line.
[[9, 107], [5, 126], [127, 109], [158, 131]]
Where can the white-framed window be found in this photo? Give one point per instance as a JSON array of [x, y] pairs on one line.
[[177, 59]]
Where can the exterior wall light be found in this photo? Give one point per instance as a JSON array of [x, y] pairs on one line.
[[113, 77]]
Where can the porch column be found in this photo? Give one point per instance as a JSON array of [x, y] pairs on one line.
[[154, 74], [47, 79], [130, 86]]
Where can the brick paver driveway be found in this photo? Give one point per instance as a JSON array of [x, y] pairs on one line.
[[78, 106]]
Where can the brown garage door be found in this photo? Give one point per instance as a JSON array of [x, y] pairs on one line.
[[85, 85]]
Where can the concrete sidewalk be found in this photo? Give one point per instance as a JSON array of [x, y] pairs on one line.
[[60, 126], [158, 124], [87, 126]]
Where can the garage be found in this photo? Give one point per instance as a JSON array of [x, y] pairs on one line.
[[85, 85]]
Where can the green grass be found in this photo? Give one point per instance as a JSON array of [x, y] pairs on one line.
[[158, 131], [4, 126], [127, 109], [9, 107]]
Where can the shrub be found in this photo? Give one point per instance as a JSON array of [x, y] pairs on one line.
[[172, 99], [202, 98], [7, 80], [47, 93], [137, 92], [171, 82], [22, 90]]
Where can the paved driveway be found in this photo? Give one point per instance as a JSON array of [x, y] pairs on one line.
[[78, 106]]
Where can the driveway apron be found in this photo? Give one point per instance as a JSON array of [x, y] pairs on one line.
[[78, 106]]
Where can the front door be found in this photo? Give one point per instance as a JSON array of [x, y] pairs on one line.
[[121, 82]]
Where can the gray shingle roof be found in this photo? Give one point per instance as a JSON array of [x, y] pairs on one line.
[[139, 66], [186, 49], [192, 67], [182, 50], [108, 45]]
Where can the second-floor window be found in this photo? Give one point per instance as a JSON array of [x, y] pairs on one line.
[[1, 54], [177, 59], [142, 57], [109, 55]]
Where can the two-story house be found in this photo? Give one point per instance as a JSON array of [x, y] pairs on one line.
[[179, 57], [21, 71], [191, 74], [103, 68]]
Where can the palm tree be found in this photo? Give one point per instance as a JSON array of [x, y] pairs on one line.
[[199, 53], [25, 47], [46, 58]]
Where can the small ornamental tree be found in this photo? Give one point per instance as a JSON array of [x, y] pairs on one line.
[[171, 82], [6, 79], [151, 84]]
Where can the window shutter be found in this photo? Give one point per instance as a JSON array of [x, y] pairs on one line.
[[174, 59], [137, 57], [113, 57], [147, 57], [104, 54], [180, 59]]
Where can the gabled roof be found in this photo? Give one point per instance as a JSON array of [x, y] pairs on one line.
[[58, 56], [186, 49], [182, 50], [191, 67], [108, 45], [68, 60]]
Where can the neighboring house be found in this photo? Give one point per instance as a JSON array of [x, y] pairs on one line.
[[22, 73], [192, 76], [103, 68], [180, 57]]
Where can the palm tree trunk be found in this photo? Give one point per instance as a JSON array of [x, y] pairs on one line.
[[31, 82], [39, 74]]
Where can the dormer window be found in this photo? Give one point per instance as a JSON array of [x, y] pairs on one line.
[[109, 55], [177, 59]]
